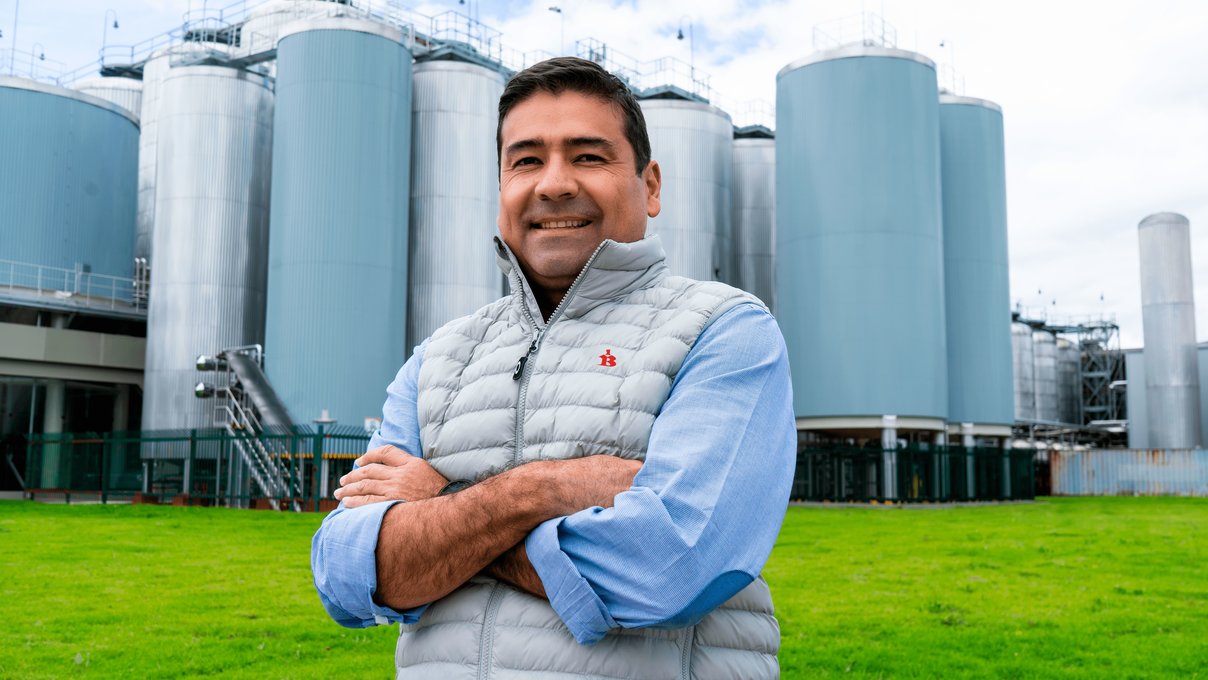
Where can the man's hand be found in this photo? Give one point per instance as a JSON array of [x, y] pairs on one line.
[[388, 474]]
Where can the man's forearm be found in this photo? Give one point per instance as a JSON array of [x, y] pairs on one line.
[[514, 568], [428, 548]]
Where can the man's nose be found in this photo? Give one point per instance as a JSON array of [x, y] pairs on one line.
[[557, 182]]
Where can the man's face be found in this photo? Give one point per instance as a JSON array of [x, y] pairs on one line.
[[567, 181]]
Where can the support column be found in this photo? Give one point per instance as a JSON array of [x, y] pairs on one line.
[[1006, 469], [967, 441], [889, 453], [938, 469], [121, 420], [54, 468]]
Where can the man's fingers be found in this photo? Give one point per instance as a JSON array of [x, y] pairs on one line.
[[358, 501], [360, 487], [386, 455], [370, 471]]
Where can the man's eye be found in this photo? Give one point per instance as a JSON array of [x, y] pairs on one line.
[[590, 158], [527, 160]]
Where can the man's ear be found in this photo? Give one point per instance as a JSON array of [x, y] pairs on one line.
[[652, 177]]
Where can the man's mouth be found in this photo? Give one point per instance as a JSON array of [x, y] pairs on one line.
[[561, 224]]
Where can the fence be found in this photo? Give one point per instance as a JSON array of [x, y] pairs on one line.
[[914, 474], [190, 467], [1130, 472]]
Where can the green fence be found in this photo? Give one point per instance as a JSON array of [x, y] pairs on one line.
[[192, 467], [914, 474]]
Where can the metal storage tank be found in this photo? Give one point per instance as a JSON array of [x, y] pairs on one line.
[[1023, 366], [1069, 382], [976, 287], [265, 24], [67, 181], [1138, 411], [1168, 314], [125, 92], [454, 194], [155, 69], [859, 251], [211, 232], [1044, 357], [754, 204], [693, 143], [337, 268]]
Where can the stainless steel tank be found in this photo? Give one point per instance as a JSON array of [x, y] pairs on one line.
[[125, 92], [859, 240], [1172, 381], [754, 205], [155, 69], [1025, 371], [1044, 357], [693, 143], [265, 23], [454, 194], [67, 186], [211, 232], [338, 249], [1069, 381]]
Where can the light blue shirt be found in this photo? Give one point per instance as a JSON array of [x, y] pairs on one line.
[[696, 527]]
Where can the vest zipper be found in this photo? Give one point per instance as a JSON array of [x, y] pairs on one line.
[[522, 372], [486, 644]]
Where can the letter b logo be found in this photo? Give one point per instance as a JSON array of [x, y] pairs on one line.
[[607, 358]]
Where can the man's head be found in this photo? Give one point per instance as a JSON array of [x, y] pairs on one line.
[[574, 167]]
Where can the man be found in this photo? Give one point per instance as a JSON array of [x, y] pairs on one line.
[[582, 479]]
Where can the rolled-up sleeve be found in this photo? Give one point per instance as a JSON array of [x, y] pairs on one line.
[[704, 511], [343, 555]]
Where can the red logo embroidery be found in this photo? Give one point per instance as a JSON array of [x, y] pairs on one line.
[[607, 358]]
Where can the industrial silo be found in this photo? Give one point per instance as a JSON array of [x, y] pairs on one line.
[[211, 232], [337, 268], [1069, 382], [1044, 359], [266, 22], [1024, 367], [67, 187], [155, 69], [454, 194], [754, 205], [693, 143], [976, 287], [1172, 381], [859, 251], [125, 92]]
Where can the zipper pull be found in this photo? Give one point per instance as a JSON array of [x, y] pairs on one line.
[[524, 359]]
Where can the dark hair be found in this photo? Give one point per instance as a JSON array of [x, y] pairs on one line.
[[562, 74]]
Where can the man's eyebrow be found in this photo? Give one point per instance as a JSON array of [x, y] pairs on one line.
[[591, 141], [523, 144]]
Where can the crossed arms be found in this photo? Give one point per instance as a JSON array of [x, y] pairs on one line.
[[607, 548]]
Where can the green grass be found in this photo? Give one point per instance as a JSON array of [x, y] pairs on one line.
[[1102, 587]]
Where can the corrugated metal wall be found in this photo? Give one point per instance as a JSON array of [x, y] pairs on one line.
[[859, 270], [976, 287], [694, 145], [68, 172], [211, 232], [454, 194], [125, 92], [1130, 472], [337, 272]]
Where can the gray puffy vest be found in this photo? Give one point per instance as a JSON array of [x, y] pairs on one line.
[[591, 381]]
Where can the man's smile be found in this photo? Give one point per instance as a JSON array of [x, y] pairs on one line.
[[560, 224]]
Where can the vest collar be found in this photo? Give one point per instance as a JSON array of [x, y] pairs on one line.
[[614, 270]]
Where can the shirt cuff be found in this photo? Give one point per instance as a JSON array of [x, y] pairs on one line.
[[344, 561], [569, 594]]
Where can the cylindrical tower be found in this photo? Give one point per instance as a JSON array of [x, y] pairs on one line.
[[976, 287], [1172, 380], [1024, 367], [266, 24], [155, 69], [125, 92], [211, 232], [1044, 358], [338, 249], [1069, 382], [454, 194], [859, 250], [693, 143], [754, 204], [67, 184]]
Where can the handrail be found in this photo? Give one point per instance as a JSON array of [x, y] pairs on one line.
[[97, 291]]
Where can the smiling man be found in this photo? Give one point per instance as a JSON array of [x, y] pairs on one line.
[[584, 478]]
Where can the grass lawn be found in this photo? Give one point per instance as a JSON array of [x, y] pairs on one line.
[[1098, 587]]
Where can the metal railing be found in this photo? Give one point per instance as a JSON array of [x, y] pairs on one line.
[[69, 286], [914, 474], [191, 467], [868, 29]]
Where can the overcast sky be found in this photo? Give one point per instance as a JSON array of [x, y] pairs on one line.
[[1105, 104]]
